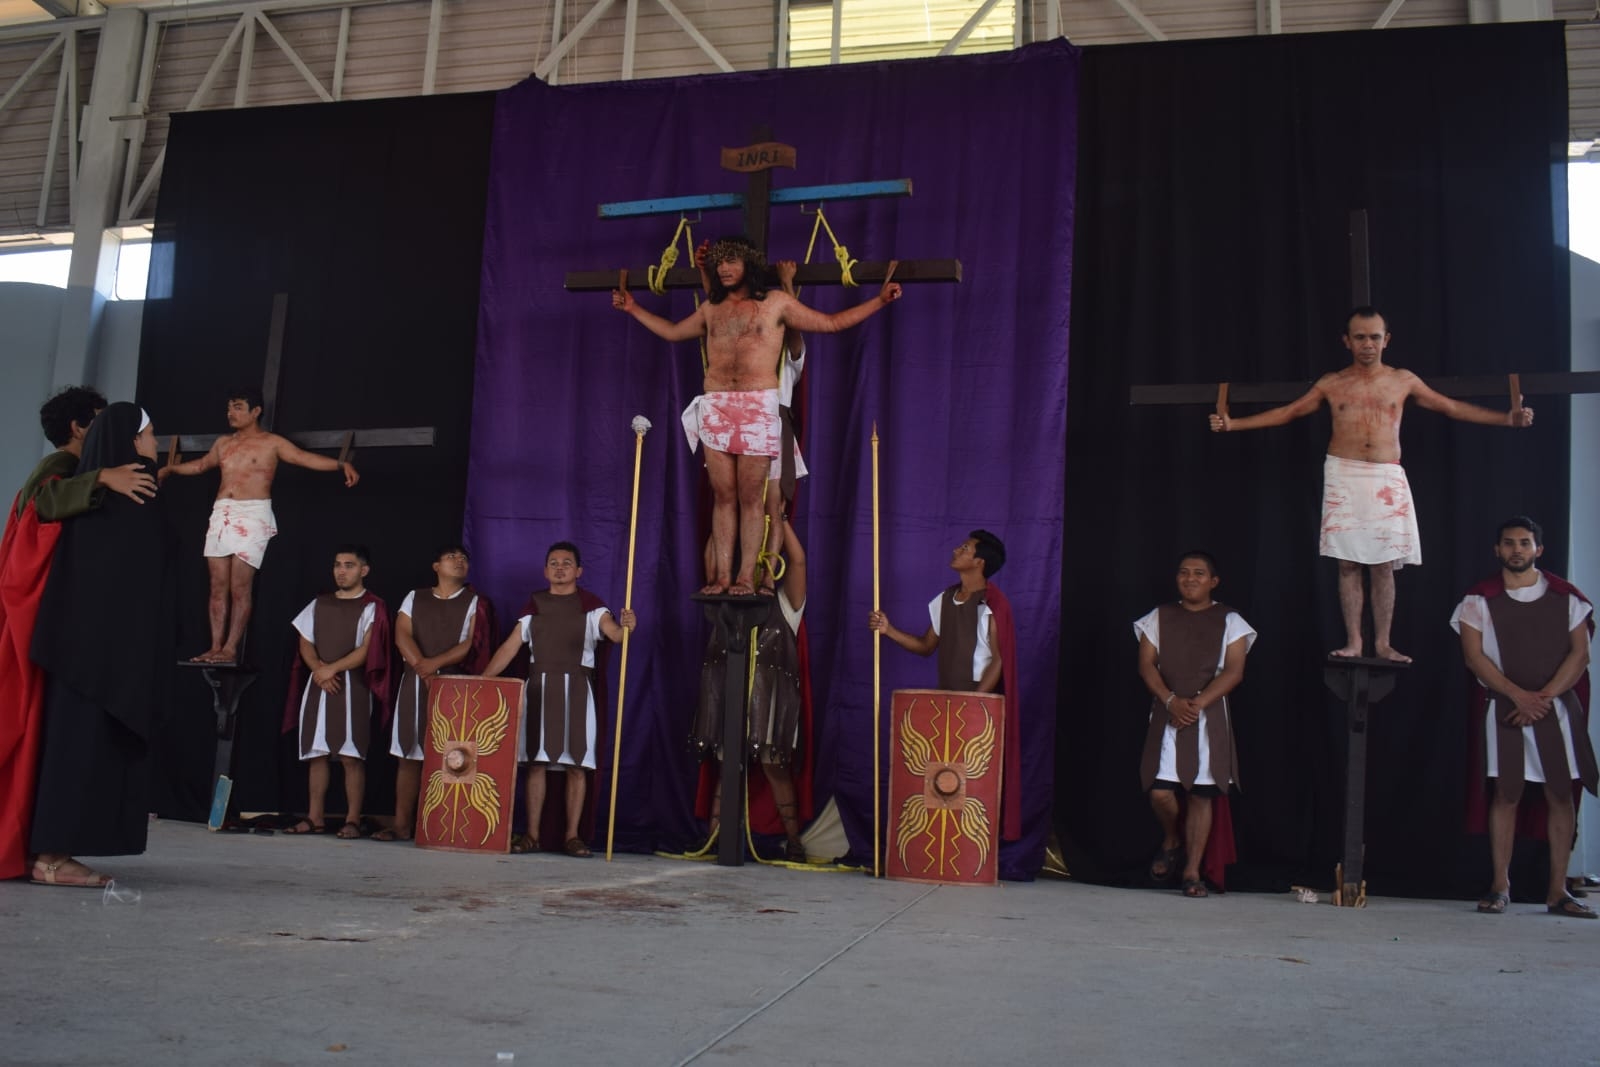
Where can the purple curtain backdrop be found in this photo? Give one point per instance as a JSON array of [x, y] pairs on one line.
[[966, 383]]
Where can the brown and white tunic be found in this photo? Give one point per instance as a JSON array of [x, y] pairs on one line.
[[336, 724], [1526, 634], [1191, 647], [963, 631], [438, 624], [772, 733], [559, 721]]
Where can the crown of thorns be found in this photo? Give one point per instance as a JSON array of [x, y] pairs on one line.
[[726, 249]]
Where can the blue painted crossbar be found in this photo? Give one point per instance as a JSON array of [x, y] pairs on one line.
[[800, 194]]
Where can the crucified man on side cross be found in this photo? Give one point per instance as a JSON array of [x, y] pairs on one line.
[[1368, 521], [737, 417]]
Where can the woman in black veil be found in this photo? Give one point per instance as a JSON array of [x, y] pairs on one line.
[[98, 640]]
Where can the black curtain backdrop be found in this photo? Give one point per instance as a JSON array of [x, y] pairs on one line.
[[1214, 188], [370, 216]]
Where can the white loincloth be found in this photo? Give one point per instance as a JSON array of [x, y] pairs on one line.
[[743, 423], [241, 528], [1367, 513]]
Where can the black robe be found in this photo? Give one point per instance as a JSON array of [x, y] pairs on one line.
[[100, 639]]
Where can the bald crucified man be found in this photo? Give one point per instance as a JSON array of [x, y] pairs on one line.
[[1368, 521], [737, 417]]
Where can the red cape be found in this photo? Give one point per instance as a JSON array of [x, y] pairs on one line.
[[552, 829], [1531, 814], [764, 818], [380, 644], [25, 554], [1011, 784]]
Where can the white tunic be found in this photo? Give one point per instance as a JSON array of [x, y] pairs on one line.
[[419, 686], [1473, 612], [1150, 627], [591, 637], [332, 703]]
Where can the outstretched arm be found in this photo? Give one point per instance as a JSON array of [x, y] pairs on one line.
[[1427, 397], [794, 570], [505, 653], [613, 628], [1278, 416], [922, 646], [193, 466], [796, 316], [691, 327], [289, 452], [792, 341]]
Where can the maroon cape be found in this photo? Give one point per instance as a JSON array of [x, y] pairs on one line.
[[1532, 815], [1005, 633], [25, 554], [380, 641], [553, 820]]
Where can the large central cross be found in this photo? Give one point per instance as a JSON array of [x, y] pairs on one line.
[[756, 202]]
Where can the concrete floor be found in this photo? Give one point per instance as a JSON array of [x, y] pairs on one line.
[[261, 950]]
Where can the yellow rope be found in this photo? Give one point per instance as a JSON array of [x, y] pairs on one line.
[[657, 275], [840, 252]]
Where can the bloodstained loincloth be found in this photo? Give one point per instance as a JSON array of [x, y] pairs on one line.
[[742, 423], [1367, 513], [241, 528]]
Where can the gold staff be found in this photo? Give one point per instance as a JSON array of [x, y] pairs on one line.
[[641, 426], [877, 660]]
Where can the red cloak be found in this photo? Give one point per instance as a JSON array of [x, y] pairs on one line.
[[1011, 785], [25, 554]]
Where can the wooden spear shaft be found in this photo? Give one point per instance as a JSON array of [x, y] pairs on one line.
[[641, 426], [877, 660]]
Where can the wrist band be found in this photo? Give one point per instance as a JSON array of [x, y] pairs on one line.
[[1170, 698]]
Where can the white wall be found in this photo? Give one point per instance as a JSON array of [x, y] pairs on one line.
[[29, 320], [1584, 537], [29, 315]]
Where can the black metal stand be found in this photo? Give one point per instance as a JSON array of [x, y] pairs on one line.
[[228, 682], [1360, 683], [734, 617]]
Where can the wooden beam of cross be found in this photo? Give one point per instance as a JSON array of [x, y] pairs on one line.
[[1461, 388], [757, 162], [344, 440]]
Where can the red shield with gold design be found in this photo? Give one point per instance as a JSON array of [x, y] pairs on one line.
[[469, 764], [944, 786]]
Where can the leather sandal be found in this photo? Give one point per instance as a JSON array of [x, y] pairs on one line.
[[576, 847]]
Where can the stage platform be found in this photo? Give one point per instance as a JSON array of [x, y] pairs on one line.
[[265, 950]]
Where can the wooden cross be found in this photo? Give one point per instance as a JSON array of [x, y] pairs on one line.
[[346, 440], [1482, 385], [757, 161]]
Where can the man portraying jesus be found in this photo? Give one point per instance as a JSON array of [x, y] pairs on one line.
[[1368, 520], [241, 519], [737, 416]]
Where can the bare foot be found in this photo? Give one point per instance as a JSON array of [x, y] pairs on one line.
[[66, 872], [741, 587], [714, 588], [208, 656], [225, 655], [1387, 652], [1347, 652]]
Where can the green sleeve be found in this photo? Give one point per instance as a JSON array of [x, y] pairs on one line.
[[62, 498]]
